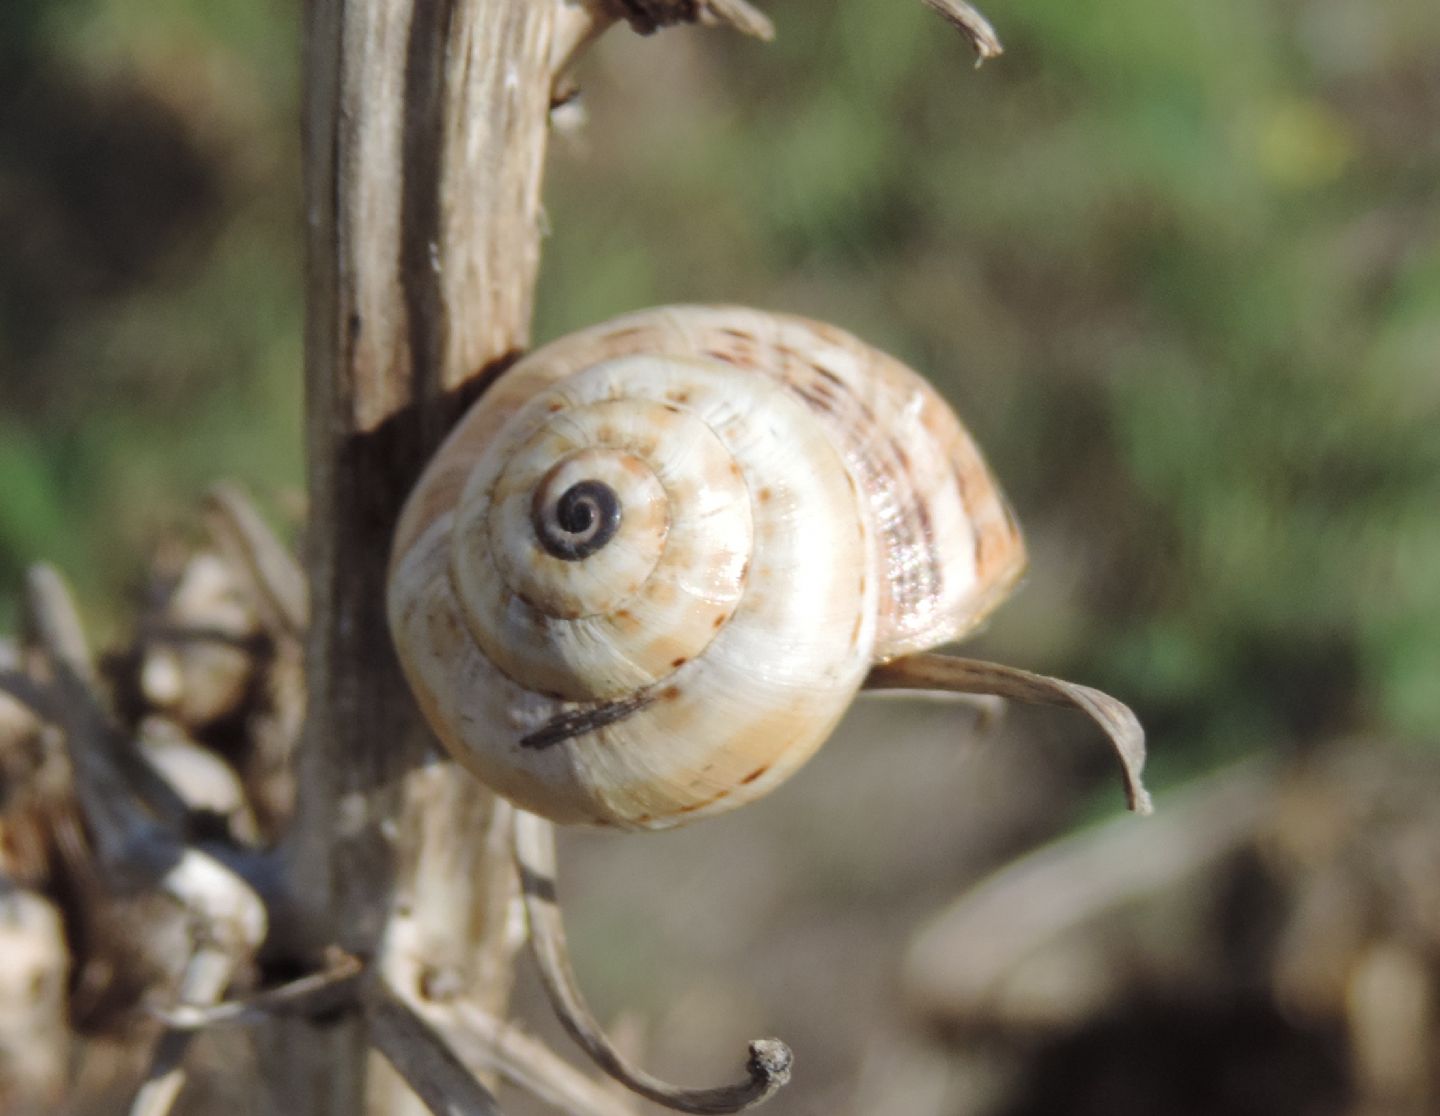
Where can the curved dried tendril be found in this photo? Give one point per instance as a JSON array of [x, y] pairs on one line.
[[769, 1060], [949, 674]]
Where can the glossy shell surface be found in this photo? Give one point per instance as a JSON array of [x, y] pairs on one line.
[[793, 507]]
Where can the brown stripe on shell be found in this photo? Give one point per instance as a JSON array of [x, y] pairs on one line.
[[577, 722], [884, 467], [691, 807], [1000, 557]]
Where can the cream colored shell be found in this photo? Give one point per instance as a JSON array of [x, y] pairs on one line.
[[794, 507]]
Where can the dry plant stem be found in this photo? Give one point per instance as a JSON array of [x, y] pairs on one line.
[[206, 977], [428, 1066], [970, 23], [107, 773], [577, 26], [770, 1059], [133, 850], [315, 994], [948, 674], [492, 1046], [29, 693], [425, 127], [276, 581], [277, 592]]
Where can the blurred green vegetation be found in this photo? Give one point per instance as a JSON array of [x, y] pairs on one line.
[[1178, 266]]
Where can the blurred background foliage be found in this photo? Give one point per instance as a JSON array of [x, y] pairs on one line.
[[1177, 265]]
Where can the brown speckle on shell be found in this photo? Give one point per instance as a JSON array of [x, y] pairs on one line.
[[691, 807]]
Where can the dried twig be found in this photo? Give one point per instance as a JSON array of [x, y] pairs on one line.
[[29, 693], [227, 925], [424, 1060], [970, 23], [107, 772], [314, 994], [948, 674], [280, 598], [127, 840], [770, 1059], [487, 1044], [227, 935]]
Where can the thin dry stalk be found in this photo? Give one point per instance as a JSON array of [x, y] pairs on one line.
[[769, 1062]]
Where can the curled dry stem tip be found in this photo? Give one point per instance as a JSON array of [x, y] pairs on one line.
[[970, 23], [770, 1060], [949, 674]]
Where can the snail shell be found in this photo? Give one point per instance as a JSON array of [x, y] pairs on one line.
[[650, 568]]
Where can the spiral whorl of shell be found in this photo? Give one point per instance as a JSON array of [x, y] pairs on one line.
[[648, 571]]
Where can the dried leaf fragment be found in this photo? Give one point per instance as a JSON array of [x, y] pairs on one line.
[[949, 674]]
